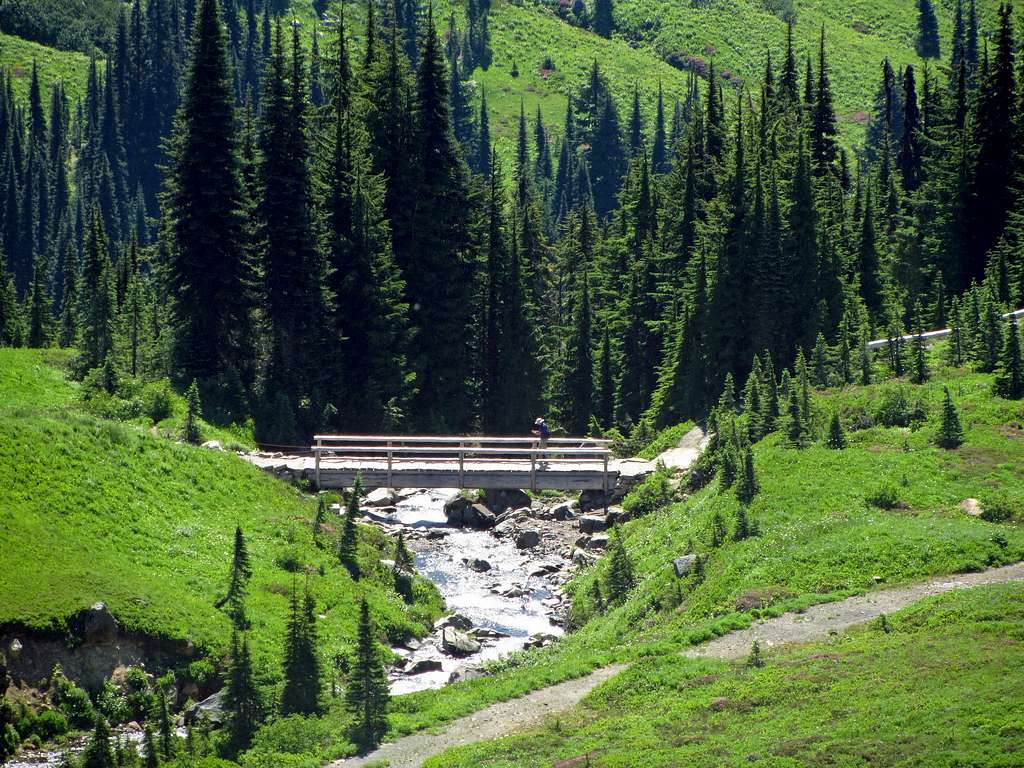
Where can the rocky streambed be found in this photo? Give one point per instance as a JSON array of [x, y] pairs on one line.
[[500, 566]]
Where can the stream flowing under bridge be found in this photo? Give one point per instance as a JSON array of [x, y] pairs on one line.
[[492, 463]]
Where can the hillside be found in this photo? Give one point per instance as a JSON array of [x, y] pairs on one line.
[[936, 684], [101, 510], [736, 33], [819, 540], [18, 55]]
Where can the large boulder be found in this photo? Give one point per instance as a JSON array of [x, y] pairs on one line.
[[380, 497], [592, 523], [527, 539], [211, 710], [971, 507], [424, 665], [478, 516], [458, 643], [596, 499], [500, 500], [598, 541], [563, 512], [583, 558], [479, 565], [461, 511], [683, 565], [456, 620], [98, 624]]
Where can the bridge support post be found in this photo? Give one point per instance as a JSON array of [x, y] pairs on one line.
[[390, 454], [604, 484], [319, 445]]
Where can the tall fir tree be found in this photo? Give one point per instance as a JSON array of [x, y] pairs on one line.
[[209, 271], [366, 696]]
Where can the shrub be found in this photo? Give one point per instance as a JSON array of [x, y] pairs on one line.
[[896, 409], [157, 401], [112, 705], [71, 700], [294, 735], [886, 496], [1000, 507], [651, 495], [50, 724]]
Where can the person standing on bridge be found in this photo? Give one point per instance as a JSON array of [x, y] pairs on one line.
[[540, 430]]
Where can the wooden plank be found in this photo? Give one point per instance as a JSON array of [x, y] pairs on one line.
[[454, 452], [421, 478], [456, 440]]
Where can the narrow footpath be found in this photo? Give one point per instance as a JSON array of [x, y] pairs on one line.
[[816, 623]]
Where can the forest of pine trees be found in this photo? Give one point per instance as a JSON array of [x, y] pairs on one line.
[[327, 239]]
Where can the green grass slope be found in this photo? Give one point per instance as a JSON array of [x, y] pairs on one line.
[[93, 510], [18, 55], [820, 540], [940, 686]]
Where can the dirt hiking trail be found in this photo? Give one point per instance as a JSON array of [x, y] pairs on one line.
[[527, 711]]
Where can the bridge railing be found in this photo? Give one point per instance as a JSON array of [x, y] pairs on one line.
[[495, 450], [928, 336]]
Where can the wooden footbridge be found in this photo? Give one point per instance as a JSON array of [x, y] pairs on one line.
[[497, 463], [462, 462]]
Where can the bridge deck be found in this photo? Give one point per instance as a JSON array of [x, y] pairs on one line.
[[566, 464], [565, 475]]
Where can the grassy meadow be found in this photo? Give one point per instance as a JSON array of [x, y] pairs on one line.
[[938, 684], [17, 56], [93, 509], [820, 539]]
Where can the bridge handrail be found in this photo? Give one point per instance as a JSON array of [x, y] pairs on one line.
[[454, 440], [930, 335], [465, 450], [498, 449]]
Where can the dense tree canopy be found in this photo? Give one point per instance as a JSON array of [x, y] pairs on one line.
[[323, 243]]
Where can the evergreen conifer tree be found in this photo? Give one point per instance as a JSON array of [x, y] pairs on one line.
[[604, 18], [98, 753], [796, 429], [578, 397], [619, 579], [241, 696], [1009, 379], [746, 484], [348, 545], [717, 530], [96, 298], [367, 694], [836, 436], [241, 572], [301, 692], [209, 272], [950, 434], [927, 40], [150, 756], [190, 432]]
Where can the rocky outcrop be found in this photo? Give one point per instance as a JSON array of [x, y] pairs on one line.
[[425, 665], [683, 565], [527, 539], [462, 512], [380, 497], [972, 507], [592, 523], [96, 624], [95, 650], [210, 709], [501, 500], [458, 643]]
